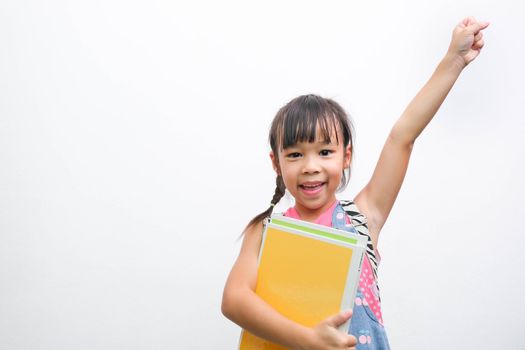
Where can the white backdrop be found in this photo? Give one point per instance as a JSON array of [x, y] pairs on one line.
[[133, 150]]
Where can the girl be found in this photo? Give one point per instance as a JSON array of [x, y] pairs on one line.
[[311, 151]]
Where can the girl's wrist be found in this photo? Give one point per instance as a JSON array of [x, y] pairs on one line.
[[453, 62], [306, 339]]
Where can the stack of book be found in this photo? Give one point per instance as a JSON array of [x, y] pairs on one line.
[[307, 272]]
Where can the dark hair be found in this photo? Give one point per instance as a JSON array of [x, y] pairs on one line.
[[297, 122]]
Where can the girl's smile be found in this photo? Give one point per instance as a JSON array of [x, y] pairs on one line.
[[312, 173], [312, 188]]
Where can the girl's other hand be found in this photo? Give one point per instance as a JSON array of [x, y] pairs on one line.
[[467, 40], [326, 336]]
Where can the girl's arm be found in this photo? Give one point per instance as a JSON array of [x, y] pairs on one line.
[[378, 196], [241, 305]]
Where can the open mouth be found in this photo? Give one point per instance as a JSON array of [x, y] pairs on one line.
[[312, 187]]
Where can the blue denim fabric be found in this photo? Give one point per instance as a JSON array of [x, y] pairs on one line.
[[364, 325]]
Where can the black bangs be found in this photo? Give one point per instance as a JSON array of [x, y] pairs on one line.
[[304, 119]]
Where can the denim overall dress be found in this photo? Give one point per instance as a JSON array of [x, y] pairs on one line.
[[364, 325]]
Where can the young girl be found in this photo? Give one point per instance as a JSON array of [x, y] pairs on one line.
[[311, 151]]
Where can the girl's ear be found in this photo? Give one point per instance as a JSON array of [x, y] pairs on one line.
[[348, 156], [275, 163]]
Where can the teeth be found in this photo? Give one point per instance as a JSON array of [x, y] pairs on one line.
[[312, 186]]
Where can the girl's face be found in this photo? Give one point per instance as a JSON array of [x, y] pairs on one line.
[[312, 173]]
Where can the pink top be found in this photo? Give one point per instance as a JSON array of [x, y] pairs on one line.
[[367, 283]]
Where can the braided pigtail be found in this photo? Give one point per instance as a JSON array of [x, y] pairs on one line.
[[279, 193], [306, 118]]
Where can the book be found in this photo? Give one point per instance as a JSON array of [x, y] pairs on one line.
[[307, 272]]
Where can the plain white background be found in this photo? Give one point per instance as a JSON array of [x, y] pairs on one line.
[[133, 150]]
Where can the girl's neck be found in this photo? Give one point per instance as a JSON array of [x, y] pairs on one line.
[[311, 215]]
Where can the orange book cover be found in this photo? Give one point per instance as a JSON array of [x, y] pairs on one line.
[[307, 272]]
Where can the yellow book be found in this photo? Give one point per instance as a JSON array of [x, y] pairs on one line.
[[307, 272]]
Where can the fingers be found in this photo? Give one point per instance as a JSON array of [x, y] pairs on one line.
[[467, 21], [474, 26], [331, 337], [478, 41], [467, 38], [339, 319], [478, 36], [478, 45], [351, 342]]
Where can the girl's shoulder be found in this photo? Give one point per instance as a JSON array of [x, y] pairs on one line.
[[254, 231], [351, 209]]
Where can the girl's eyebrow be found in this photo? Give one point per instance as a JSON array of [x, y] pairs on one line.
[[327, 142], [319, 142]]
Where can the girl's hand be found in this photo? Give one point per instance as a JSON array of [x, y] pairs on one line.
[[328, 337], [467, 40]]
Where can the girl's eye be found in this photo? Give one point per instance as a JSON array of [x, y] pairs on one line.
[[325, 152], [294, 155]]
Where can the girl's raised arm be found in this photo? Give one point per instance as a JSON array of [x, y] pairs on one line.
[[241, 305], [378, 196]]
